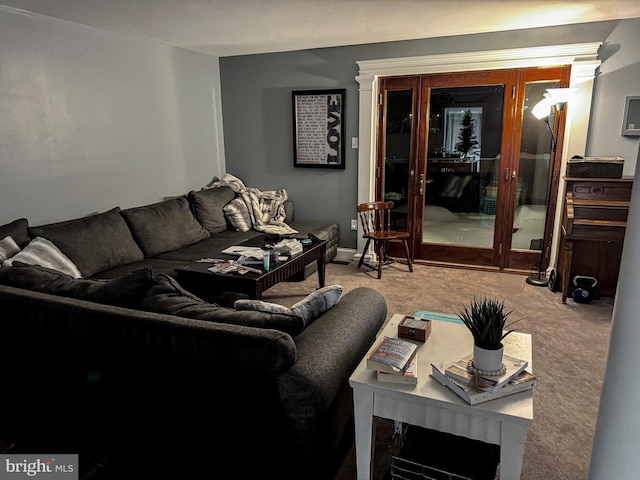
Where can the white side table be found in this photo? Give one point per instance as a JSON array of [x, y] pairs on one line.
[[504, 421]]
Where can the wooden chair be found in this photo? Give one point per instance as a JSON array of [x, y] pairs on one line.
[[375, 218]]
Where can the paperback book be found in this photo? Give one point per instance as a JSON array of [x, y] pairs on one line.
[[392, 355], [410, 376], [459, 371], [520, 383]]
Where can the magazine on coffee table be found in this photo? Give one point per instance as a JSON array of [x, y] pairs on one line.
[[243, 250]]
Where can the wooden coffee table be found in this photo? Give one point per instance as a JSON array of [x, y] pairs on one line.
[[196, 278], [504, 421]]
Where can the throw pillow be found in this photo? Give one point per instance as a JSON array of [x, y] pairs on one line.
[[309, 308], [95, 243], [237, 213], [41, 251], [168, 297], [465, 181], [207, 205], [8, 248], [450, 188], [18, 230], [455, 186], [164, 226], [260, 306], [125, 291]]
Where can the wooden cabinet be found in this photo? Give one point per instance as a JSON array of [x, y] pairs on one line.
[[442, 165], [593, 227]]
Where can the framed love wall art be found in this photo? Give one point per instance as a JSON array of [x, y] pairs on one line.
[[318, 122]]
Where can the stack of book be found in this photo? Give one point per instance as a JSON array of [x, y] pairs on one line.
[[476, 388], [394, 360], [288, 247], [410, 376]]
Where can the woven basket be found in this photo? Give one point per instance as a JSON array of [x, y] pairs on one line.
[[593, 167]]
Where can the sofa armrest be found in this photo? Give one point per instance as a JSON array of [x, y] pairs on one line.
[[289, 210], [328, 352]]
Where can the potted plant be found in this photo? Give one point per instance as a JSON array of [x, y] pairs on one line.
[[486, 318]]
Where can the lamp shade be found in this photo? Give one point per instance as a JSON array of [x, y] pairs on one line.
[[542, 109], [560, 95], [556, 98]]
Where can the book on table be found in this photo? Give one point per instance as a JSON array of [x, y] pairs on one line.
[[392, 355], [410, 376], [520, 383], [459, 371]]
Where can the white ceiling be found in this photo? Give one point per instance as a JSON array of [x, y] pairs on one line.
[[238, 27]]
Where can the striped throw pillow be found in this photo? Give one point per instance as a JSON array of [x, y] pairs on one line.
[[308, 309], [8, 248], [41, 251], [237, 213]]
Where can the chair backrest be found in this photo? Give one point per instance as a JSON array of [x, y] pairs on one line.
[[375, 217]]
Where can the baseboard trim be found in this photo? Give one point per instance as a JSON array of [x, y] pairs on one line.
[[346, 255]]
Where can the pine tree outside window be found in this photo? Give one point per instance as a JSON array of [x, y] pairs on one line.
[[463, 127]]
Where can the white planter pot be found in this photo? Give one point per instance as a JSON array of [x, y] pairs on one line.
[[490, 360]]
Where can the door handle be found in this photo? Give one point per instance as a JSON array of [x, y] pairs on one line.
[[421, 184], [514, 174]]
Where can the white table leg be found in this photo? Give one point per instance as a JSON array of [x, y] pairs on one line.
[[364, 432], [514, 437]]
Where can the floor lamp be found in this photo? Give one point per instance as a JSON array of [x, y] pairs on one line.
[[555, 100]]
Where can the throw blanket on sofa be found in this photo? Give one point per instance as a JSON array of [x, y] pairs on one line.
[[266, 209]]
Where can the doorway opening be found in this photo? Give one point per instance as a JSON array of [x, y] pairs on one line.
[[483, 168], [500, 255]]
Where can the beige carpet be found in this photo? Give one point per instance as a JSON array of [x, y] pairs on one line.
[[570, 343]]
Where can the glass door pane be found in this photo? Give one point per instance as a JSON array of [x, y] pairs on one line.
[[463, 161], [536, 159], [397, 155]]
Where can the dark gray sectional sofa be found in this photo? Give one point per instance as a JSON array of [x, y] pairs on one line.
[[125, 365], [163, 235]]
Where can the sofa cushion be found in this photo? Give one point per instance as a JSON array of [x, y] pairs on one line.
[[41, 251], [94, 243], [309, 308], [18, 230], [237, 214], [125, 291], [164, 226], [168, 297], [4, 274], [8, 248], [207, 206]]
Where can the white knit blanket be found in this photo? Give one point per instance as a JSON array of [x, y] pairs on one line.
[[266, 209]]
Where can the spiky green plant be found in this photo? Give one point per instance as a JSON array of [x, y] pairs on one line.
[[486, 318]]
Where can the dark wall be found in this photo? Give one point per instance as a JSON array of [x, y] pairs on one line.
[[257, 110]]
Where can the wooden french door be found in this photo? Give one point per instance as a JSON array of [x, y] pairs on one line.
[[472, 173]]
